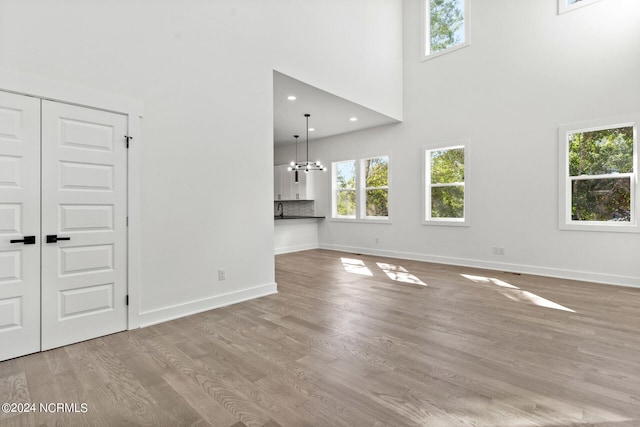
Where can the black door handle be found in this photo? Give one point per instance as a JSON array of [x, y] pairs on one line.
[[52, 238], [27, 240]]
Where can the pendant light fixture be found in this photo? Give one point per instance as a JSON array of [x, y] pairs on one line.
[[296, 172], [305, 166]]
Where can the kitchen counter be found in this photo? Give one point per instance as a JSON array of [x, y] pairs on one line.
[[280, 218], [294, 233]]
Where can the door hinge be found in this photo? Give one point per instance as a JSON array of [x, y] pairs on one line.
[[127, 221], [128, 138], [127, 300]]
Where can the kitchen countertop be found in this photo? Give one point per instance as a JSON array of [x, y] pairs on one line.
[[280, 218]]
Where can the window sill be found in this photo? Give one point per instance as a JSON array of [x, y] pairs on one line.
[[607, 227], [362, 220], [444, 52], [447, 222]]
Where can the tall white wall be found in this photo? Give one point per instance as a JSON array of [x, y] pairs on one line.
[[204, 72], [526, 71]]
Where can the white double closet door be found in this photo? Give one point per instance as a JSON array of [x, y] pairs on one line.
[[63, 235]]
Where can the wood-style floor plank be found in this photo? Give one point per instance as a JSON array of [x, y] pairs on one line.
[[345, 346]]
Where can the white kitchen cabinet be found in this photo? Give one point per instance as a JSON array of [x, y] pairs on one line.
[[282, 183], [303, 190], [277, 184], [285, 187]]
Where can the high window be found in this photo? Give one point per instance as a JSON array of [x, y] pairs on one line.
[[446, 26], [445, 189], [567, 5], [361, 189], [599, 188]]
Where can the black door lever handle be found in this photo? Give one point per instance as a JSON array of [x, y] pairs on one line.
[[53, 238], [27, 240]]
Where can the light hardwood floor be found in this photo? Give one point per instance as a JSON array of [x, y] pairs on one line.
[[344, 344]]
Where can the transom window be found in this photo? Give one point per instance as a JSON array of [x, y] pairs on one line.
[[567, 5], [599, 170], [446, 26]]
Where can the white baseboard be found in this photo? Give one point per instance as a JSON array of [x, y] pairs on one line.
[[296, 248], [607, 279], [177, 311]]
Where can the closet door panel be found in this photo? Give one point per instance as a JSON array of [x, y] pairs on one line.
[[19, 222], [84, 191]]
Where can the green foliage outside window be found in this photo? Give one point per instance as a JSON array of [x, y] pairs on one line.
[[447, 167], [376, 172], [346, 188], [601, 152], [446, 20], [346, 203], [373, 189], [447, 202]]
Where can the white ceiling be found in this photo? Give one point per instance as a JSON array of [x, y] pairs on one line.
[[330, 114]]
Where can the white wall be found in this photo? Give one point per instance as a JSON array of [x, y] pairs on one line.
[[204, 72], [527, 70]]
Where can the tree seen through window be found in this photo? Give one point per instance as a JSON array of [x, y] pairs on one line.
[[446, 24], [600, 169]]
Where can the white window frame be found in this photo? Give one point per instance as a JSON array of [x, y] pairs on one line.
[[363, 189], [563, 7], [360, 190], [565, 222], [427, 219], [334, 190], [426, 32]]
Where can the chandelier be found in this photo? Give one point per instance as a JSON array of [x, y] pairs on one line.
[[305, 166]]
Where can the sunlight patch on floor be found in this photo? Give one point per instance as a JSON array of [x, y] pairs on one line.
[[525, 296], [355, 266], [399, 274], [516, 294]]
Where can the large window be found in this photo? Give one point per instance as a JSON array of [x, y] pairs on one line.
[[445, 189], [599, 177], [446, 26], [361, 189]]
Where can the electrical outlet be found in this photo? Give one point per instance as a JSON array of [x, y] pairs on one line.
[[222, 274], [377, 240], [498, 250]]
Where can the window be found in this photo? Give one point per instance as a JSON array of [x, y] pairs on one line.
[[361, 189], [376, 187], [599, 188], [567, 5], [344, 179], [445, 190], [446, 26]]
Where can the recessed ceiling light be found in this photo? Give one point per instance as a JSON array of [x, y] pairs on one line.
[[354, 119], [311, 129], [291, 98]]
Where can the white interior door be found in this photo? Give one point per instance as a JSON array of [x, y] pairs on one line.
[[19, 221], [84, 196]]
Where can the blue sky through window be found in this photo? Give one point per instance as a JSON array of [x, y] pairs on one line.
[[347, 172], [459, 35]]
